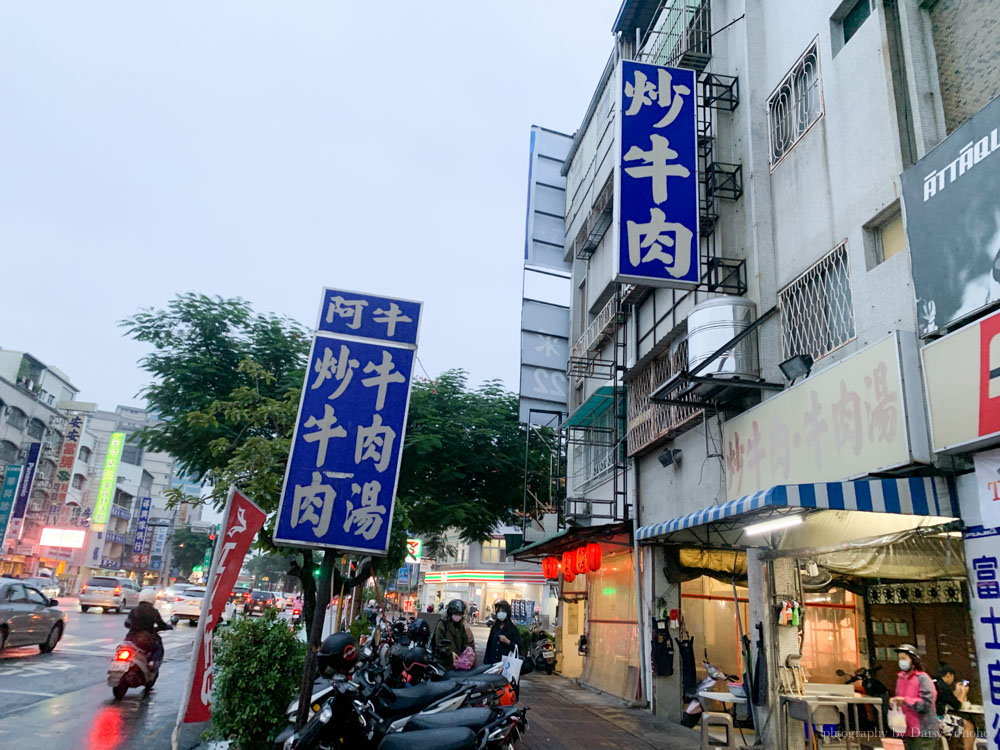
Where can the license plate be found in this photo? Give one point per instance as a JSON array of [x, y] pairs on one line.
[[119, 666]]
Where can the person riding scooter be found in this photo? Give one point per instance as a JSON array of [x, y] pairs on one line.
[[144, 625]]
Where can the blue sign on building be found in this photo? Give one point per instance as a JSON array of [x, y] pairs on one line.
[[138, 546], [24, 490], [340, 482], [369, 317], [656, 205], [7, 494]]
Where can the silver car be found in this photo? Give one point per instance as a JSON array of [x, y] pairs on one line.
[[28, 617], [110, 592], [48, 586]]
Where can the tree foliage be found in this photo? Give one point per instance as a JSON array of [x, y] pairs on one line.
[[199, 344], [463, 463], [189, 549]]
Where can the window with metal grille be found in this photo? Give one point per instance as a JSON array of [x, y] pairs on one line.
[[796, 104], [817, 309], [595, 458], [651, 424]]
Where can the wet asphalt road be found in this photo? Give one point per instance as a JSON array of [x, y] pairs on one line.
[[63, 700]]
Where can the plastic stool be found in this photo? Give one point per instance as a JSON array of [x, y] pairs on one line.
[[712, 719]]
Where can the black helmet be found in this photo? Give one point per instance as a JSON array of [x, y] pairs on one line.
[[339, 653], [502, 604], [399, 628], [456, 607], [419, 632]]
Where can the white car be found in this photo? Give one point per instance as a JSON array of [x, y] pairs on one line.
[[187, 605]]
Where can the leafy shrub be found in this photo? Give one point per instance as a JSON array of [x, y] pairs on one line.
[[258, 665]]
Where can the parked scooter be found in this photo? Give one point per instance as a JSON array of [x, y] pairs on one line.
[[696, 704], [543, 650], [866, 683]]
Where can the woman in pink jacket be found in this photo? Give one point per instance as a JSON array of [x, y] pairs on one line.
[[916, 695]]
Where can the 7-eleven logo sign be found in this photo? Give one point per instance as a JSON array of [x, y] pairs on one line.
[[414, 550]]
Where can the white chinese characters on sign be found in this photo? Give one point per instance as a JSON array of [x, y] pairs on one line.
[[314, 504], [658, 161], [642, 91], [646, 243]]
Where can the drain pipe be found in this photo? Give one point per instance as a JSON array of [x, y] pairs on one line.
[[639, 610]]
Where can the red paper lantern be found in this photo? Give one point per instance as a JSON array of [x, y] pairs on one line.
[[568, 565], [550, 567], [580, 556], [593, 552]]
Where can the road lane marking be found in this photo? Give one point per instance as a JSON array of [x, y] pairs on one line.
[[73, 642], [30, 692]]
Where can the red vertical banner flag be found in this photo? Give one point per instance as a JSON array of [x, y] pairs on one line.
[[240, 525]]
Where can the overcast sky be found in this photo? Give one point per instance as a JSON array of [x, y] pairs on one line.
[[265, 150]]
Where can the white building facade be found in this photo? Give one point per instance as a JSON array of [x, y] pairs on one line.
[[685, 429]]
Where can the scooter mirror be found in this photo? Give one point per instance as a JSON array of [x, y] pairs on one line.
[[841, 673]]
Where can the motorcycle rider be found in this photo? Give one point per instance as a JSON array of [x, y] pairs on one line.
[[450, 636], [144, 625], [504, 635]]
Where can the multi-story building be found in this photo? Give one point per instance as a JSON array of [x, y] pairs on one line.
[[742, 430], [480, 573], [30, 394]]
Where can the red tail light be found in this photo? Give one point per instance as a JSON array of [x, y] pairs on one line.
[[179, 599], [296, 612], [84, 589], [124, 654], [118, 589]]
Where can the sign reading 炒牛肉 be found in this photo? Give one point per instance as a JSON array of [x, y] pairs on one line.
[[340, 482], [656, 177]]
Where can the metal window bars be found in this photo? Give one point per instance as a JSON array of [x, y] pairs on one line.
[[817, 309], [683, 39], [650, 423], [795, 104]]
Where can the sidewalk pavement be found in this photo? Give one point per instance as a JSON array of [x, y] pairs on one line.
[[565, 716]]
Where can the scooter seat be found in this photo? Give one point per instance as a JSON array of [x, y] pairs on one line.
[[473, 718], [485, 680], [412, 699], [459, 674], [451, 738]]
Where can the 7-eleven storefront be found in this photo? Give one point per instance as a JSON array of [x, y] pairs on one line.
[[484, 587]]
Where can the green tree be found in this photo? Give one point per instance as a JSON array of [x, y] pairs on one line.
[[226, 383], [189, 549], [463, 463]]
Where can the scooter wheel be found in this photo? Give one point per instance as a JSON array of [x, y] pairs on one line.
[[119, 691]]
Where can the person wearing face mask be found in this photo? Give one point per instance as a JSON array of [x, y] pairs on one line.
[[916, 696], [450, 637], [504, 635]]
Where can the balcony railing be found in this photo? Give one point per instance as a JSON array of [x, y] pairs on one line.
[[649, 423], [597, 332]]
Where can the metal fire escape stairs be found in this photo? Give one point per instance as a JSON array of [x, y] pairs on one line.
[[688, 44]]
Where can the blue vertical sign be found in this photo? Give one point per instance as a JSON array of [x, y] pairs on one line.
[[24, 491], [138, 546], [7, 494], [656, 206], [343, 467]]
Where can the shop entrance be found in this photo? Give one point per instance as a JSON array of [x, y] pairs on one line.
[[942, 633]]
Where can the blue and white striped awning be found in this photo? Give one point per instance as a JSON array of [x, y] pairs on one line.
[[917, 496]]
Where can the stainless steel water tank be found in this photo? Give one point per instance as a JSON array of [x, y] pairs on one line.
[[714, 322]]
